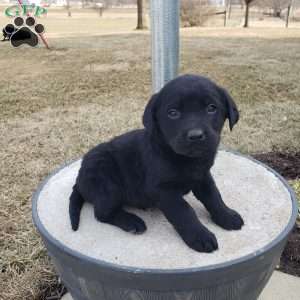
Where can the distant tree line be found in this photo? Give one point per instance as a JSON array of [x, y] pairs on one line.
[[196, 12], [109, 3], [277, 7]]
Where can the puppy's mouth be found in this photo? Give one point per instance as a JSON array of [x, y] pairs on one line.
[[194, 152], [193, 149]]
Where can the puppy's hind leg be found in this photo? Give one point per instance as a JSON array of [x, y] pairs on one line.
[[127, 221], [108, 209]]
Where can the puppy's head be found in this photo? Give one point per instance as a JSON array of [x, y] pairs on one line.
[[189, 114]]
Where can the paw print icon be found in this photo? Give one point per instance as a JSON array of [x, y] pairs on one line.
[[24, 31]]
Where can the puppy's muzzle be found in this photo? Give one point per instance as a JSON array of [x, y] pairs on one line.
[[196, 135]]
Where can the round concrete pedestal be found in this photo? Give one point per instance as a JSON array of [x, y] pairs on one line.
[[100, 261]]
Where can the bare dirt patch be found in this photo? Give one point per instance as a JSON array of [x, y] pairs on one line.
[[286, 164]]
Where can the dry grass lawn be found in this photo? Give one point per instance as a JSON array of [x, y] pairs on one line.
[[55, 105]]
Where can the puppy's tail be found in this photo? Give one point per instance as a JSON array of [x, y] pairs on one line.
[[75, 206]]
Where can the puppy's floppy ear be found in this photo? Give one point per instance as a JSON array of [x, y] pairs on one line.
[[149, 113], [231, 108]]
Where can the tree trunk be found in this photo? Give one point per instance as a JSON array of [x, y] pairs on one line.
[[68, 8], [287, 16], [277, 9], [276, 13], [140, 15], [229, 10], [247, 15]]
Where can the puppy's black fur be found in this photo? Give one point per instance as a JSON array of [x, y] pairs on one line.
[[158, 165]]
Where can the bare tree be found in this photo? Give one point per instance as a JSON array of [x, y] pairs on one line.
[[247, 4], [288, 16], [140, 15], [228, 9], [68, 7], [276, 6], [195, 12]]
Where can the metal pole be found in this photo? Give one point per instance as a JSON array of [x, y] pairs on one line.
[[165, 41]]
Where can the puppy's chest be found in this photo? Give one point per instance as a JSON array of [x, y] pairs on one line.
[[195, 171], [191, 172], [183, 178]]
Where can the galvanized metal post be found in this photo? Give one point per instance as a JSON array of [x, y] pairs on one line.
[[165, 41]]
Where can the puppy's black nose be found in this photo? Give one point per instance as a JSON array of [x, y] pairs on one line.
[[196, 134]]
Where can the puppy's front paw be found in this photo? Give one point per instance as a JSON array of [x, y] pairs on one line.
[[229, 219], [203, 241]]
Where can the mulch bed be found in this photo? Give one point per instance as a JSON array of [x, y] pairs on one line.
[[288, 165], [290, 259]]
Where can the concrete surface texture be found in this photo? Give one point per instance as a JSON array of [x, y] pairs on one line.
[[280, 287], [246, 186]]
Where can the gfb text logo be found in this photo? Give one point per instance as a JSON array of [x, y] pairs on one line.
[[24, 29], [19, 10]]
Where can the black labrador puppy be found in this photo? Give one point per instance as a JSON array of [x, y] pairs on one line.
[[158, 165]]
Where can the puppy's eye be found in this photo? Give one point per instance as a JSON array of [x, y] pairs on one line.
[[173, 113], [211, 108]]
